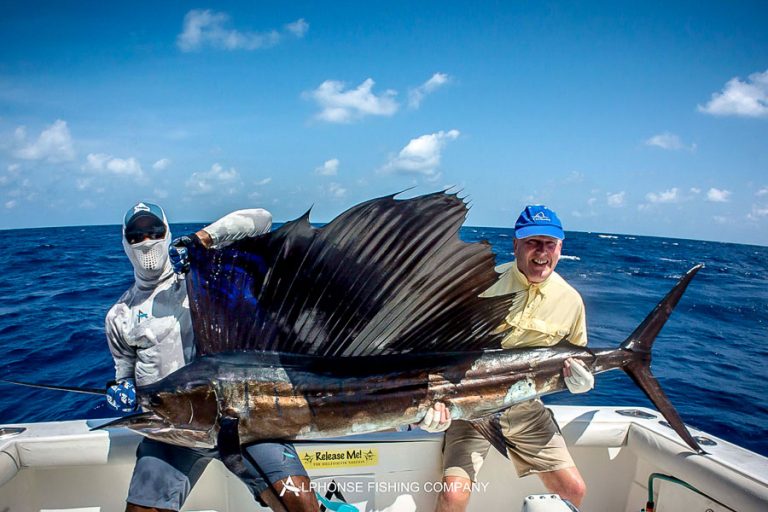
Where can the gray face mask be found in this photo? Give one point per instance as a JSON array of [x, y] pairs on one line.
[[149, 257]]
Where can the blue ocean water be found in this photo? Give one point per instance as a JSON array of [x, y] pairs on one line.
[[711, 358]]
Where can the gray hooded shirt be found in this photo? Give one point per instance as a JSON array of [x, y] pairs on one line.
[[149, 330]]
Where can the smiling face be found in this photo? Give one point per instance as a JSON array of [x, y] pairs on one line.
[[537, 256]]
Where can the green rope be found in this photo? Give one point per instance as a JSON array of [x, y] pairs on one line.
[[672, 479], [660, 476]]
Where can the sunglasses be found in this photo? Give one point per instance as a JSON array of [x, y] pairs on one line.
[[134, 236]]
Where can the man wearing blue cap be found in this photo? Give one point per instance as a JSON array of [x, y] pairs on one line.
[[553, 310], [149, 332]]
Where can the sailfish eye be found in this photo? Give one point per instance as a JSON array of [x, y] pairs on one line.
[[155, 400]]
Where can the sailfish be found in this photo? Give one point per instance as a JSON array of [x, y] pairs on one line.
[[360, 326]]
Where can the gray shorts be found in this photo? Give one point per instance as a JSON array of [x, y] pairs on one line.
[[165, 474]]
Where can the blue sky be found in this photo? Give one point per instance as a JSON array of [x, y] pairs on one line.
[[646, 118]]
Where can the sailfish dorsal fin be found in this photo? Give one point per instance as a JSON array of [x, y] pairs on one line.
[[387, 276]]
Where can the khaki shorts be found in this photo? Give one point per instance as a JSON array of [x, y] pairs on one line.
[[538, 444]]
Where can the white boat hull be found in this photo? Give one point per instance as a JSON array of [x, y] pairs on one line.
[[63, 466]]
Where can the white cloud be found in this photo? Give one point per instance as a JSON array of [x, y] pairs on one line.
[[417, 95], [298, 28], [669, 141], [616, 200], [336, 190], [574, 177], [758, 212], [695, 190], [716, 195], [668, 196], [762, 192], [586, 213], [107, 164], [54, 144], [745, 99], [18, 189], [14, 168], [719, 219], [217, 180], [161, 164], [209, 28], [256, 194], [421, 155], [160, 193], [329, 168], [340, 106]]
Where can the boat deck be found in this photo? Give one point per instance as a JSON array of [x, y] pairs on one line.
[[63, 466]]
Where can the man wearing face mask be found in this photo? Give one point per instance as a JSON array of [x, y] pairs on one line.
[[149, 332], [552, 310]]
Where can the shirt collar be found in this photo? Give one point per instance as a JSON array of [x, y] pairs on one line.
[[527, 285]]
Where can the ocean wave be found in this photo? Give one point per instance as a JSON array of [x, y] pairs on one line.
[[607, 236], [569, 258]]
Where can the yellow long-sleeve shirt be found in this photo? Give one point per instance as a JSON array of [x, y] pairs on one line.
[[552, 310]]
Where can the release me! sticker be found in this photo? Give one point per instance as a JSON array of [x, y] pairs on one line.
[[343, 458]]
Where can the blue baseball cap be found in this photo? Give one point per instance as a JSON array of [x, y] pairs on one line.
[[538, 220]]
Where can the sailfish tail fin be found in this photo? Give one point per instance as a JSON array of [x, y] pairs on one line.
[[642, 376], [640, 342]]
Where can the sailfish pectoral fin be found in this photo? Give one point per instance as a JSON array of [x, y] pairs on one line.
[[490, 428], [228, 443]]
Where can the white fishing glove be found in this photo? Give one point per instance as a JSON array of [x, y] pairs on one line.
[[577, 377], [437, 419]]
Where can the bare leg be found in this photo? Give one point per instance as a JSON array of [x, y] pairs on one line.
[[565, 482], [289, 501], [455, 494]]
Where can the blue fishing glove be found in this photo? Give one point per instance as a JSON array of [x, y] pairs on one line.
[[178, 252], [121, 396]]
